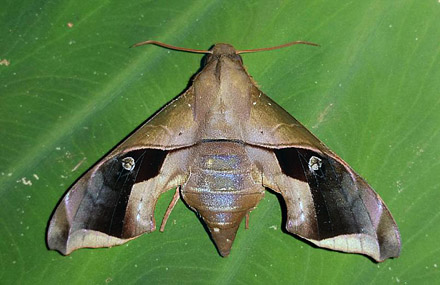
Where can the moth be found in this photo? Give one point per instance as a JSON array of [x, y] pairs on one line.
[[221, 143]]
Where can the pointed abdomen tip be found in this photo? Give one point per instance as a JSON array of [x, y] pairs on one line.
[[223, 239]]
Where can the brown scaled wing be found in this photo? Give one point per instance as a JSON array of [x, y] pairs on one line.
[[331, 205], [111, 205]]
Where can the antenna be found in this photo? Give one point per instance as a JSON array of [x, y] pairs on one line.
[[170, 47], [276, 47], [210, 51]]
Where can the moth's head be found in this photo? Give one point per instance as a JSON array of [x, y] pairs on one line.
[[226, 49], [223, 50]]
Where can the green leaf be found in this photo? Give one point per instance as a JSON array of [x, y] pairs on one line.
[[73, 90]]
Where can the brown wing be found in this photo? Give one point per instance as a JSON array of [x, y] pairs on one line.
[[115, 200], [171, 128], [327, 202], [271, 126]]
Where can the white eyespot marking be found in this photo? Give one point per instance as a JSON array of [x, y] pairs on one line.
[[216, 230], [315, 163], [128, 163]]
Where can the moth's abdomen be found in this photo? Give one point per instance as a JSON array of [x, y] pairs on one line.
[[220, 188]]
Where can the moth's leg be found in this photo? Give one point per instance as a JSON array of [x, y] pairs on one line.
[[247, 220], [139, 216], [171, 206]]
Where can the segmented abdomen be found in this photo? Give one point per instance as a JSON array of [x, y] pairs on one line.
[[221, 189]]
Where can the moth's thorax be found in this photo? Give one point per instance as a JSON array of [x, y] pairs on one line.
[[223, 101], [221, 189]]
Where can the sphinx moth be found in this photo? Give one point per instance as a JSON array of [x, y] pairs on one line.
[[220, 144]]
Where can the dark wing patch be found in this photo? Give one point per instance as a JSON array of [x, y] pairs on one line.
[[338, 204], [105, 201]]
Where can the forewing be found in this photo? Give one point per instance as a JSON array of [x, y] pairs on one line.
[[327, 202], [171, 128], [115, 200], [271, 126]]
